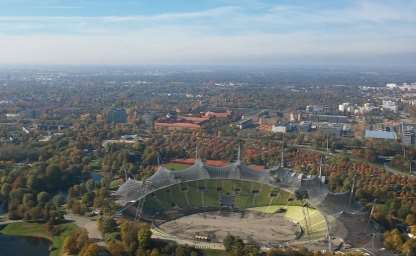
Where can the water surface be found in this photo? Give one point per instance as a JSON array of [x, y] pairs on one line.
[[20, 245]]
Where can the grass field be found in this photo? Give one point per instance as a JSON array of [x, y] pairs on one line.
[[176, 166], [197, 194], [39, 230], [317, 223], [268, 209]]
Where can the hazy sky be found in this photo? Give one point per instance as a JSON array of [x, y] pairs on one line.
[[208, 32]]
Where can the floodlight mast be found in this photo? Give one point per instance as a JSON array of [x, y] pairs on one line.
[[125, 173], [354, 179], [328, 235], [239, 153], [327, 144], [306, 215], [158, 159], [371, 214], [320, 168]]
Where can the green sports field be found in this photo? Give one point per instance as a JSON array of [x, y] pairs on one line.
[[207, 193], [176, 166], [316, 222]]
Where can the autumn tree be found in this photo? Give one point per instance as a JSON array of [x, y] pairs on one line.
[[393, 240], [77, 240], [409, 247], [144, 236], [116, 248], [129, 231]]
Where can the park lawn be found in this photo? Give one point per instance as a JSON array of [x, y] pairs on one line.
[[176, 166], [39, 230]]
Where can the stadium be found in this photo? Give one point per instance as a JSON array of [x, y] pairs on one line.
[[202, 204]]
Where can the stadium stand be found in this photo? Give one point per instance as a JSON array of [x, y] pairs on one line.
[[201, 187]]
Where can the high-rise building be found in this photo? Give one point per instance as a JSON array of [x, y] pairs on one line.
[[408, 138]]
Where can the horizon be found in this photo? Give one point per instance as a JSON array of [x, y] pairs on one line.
[[221, 32]]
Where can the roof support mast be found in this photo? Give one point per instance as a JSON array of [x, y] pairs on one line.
[[239, 154]]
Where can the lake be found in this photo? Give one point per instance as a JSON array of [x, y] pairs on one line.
[[20, 245]]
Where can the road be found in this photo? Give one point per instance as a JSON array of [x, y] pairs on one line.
[[6, 221], [391, 170]]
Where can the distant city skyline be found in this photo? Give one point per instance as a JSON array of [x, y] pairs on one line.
[[213, 32]]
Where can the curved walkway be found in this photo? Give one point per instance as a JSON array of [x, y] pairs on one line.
[[90, 224]]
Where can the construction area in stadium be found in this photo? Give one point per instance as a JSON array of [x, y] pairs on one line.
[[201, 204]]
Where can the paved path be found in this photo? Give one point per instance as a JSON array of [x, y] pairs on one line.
[[90, 224], [4, 220]]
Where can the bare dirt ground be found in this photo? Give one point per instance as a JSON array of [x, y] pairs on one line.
[[260, 227]]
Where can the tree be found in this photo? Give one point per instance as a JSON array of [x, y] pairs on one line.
[[5, 189], [144, 236], [393, 240], [106, 225], [58, 199], [155, 252], [116, 248], [53, 177], [77, 240], [42, 198], [69, 245], [75, 206], [36, 213], [228, 242], [90, 185], [28, 200], [413, 230], [180, 251], [129, 231], [410, 219], [409, 248], [140, 252], [91, 250]]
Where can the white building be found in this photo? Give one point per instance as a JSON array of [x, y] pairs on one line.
[[314, 108], [11, 116], [279, 129], [391, 86], [390, 105], [344, 107], [408, 87]]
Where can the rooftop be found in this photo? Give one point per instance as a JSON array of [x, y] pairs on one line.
[[380, 135]]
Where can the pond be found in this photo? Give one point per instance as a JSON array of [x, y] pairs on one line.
[[2, 207], [20, 245]]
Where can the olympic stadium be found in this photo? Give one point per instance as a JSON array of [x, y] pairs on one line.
[[273, 207]]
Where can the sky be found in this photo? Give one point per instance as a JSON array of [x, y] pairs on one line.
[[208, 32]]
